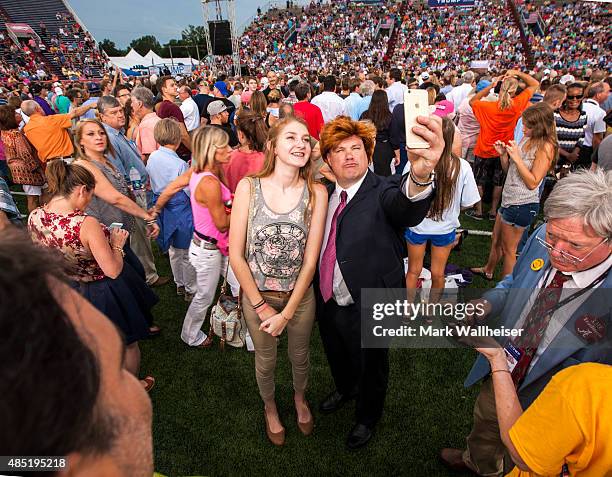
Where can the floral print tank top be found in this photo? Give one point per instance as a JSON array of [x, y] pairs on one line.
[[62, 233]]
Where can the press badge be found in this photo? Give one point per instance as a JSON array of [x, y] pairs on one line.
[[513, 355]]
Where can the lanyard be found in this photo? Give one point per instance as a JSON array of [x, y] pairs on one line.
[[579, 293]]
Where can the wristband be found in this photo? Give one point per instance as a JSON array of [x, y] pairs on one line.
[[260, 304], [422, 184], [262, 308]]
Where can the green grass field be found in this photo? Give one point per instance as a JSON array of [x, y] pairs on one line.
[[208, 417]]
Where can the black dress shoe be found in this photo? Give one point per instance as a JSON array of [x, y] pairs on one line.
[[333, 402], [359, 436]]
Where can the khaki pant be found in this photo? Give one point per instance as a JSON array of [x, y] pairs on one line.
[[485, 449], [141, 245], [298, 332]]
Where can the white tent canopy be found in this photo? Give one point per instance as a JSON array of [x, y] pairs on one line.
[[133, 58]]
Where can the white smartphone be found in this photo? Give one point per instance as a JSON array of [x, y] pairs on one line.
[[416, 103], [115, 225]]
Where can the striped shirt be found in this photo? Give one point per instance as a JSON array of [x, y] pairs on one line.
[[570, 134]]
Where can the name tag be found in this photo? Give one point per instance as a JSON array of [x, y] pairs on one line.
[[513, 355]]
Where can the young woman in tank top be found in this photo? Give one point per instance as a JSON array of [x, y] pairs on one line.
[[526, 164], [277, 228]]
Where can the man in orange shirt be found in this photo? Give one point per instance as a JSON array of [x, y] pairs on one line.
[[497, 122], [49, 134]]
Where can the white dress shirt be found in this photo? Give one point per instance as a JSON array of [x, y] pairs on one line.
[[395, 94], [340, 291], [562, 315], [330, 104], [459, 93], [191, 113]]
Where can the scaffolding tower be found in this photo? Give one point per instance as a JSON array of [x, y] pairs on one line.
[[212, 10]]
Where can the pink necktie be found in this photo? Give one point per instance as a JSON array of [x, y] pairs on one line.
[[328, 261]]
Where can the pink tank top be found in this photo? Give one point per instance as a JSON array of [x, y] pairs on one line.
[[202, 220]]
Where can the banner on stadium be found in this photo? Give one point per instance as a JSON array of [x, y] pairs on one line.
[[21, 30], [450, 3]]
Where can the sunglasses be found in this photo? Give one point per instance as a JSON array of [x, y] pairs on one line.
[[574, 97]]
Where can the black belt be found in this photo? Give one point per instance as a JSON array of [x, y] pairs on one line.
[[206, 238]]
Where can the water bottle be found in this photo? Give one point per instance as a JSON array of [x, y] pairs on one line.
[[135, 179]]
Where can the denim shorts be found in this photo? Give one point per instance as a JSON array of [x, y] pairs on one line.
[[443, 240], [519, 215]]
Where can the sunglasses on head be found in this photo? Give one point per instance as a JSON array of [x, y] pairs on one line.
[[574, 97]]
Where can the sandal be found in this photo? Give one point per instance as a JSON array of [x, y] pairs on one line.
[[154, 330], [148, 382], [481, 273]]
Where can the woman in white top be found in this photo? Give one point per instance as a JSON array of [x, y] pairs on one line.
[[455, 189]]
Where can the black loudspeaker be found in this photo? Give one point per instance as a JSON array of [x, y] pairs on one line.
[[220, 37]]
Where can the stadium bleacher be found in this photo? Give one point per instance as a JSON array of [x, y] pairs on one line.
[[68, 51]]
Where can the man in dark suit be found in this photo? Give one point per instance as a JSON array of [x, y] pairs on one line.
[[363, 248], [558, 295]]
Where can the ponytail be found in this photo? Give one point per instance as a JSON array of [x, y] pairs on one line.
[[508, 88], [253, 126], [62, 178]]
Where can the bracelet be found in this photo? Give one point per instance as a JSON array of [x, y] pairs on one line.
[[283, 316], [422, 184], [261, 303], [501, 371], [262, 308], [118, 249], [151, 222]]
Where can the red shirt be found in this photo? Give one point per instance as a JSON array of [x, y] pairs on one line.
[[242, 164], [167, 109], [312, 115]]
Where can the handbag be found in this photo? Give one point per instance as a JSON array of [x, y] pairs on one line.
[[226, 320]]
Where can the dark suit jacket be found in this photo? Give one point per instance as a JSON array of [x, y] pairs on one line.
[[370, 244]]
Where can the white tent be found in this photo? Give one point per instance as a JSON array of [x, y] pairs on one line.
[[133, 58]]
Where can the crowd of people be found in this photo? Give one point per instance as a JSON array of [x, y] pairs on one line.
[[298, 190], [584, 47], [332, 35], [452, 38], [70, 49]]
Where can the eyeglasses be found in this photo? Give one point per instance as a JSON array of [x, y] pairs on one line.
[[574, 97], [568, 256]]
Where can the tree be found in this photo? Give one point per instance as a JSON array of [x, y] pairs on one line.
[[179, 49], [110, 48], [194, 34], [145, 43]]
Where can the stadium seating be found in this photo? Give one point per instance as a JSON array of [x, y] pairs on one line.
[[77, 54]]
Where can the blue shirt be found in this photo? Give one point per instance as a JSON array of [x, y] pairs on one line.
[[126, 155], [351, 105], [91, 114], [164, 165], [363, 105]]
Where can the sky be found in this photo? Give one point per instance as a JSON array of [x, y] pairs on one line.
[[123, 20]]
